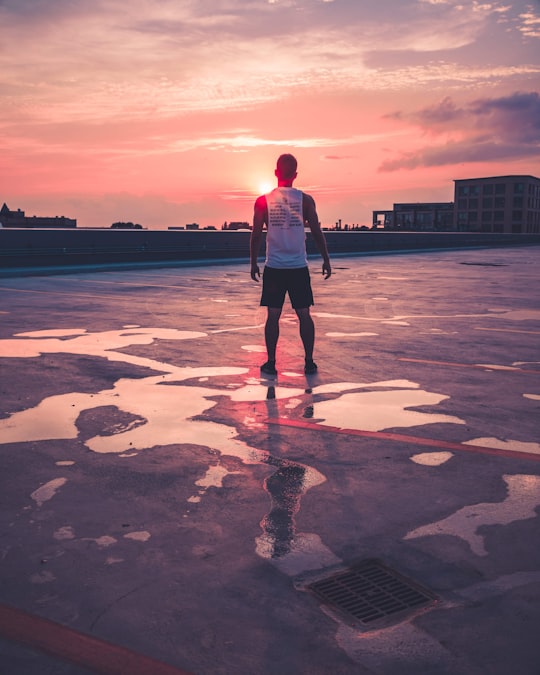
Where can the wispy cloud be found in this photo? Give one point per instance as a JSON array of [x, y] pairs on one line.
[[530, 24], [140, 58]]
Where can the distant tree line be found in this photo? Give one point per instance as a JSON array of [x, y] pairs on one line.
[[126, 226]]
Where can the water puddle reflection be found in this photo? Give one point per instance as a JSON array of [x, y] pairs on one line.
[[168, 407], [469, 522]]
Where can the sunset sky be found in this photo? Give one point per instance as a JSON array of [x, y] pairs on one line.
[[166, 112]]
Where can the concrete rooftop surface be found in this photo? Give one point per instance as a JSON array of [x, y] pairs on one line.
[[166, 509]]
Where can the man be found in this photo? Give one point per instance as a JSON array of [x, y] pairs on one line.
[[285, 212]]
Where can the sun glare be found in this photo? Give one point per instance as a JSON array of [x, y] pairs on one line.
[[264, 187]]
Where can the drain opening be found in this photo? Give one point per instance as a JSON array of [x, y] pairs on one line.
[[371, 594]]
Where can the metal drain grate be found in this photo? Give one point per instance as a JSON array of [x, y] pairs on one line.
[[371, 593]]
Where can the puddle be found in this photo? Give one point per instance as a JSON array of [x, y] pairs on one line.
[[47, 491], [168, 412], [338, 335], [305, 551], [520, 504], [380, 410], [490, 366], [432, 458], [512, 315], [138, 536], [103, 542], [254, 348], [285, 488], [509, 444], [212, 478], [279, 540], [404, 648]]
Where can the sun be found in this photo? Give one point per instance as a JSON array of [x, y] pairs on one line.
[[264, 187]]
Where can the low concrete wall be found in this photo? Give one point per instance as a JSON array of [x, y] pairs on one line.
[[49, 248]]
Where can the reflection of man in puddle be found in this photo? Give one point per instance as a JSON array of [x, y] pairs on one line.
[[285, 212], [286, 488]]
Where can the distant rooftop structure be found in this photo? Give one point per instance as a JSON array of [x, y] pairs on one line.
[[506, 204], [418, 216], [9, 218], [498, 204], [236, 225]]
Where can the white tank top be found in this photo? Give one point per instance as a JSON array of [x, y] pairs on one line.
[[286, 238]]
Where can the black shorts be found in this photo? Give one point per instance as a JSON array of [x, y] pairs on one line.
[[278, 282]]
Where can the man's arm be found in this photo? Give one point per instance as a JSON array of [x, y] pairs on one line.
[[260, 217], [312, 219]]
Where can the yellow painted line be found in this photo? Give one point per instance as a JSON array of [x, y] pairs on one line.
[[83, 650]]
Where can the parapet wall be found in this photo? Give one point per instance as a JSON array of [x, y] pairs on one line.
[[75, 247]]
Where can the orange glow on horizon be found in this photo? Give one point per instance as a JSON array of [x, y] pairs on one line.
[[140, 125]]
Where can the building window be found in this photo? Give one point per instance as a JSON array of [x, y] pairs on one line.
[[424, 218], [500, 188], [462, 203], [517, 215], [519, 188], [518, 202], [463, 190], [488, 189], [487, 216], [498, 216], [473, 203], [487, 202], [500, 202], [473, 217]]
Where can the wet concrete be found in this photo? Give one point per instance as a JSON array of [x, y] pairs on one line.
[[158, 494]]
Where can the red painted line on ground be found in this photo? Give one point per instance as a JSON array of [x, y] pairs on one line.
[[493, 367], [403, 438], [83, 650]]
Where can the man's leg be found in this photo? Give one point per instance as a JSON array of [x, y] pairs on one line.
[[307, 332], [271, 332]]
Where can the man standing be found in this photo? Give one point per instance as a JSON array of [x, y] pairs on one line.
[[285, 212]]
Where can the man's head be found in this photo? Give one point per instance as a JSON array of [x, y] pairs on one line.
[[286, 168]]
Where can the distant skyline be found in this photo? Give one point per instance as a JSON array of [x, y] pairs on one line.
[[172, 112]]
